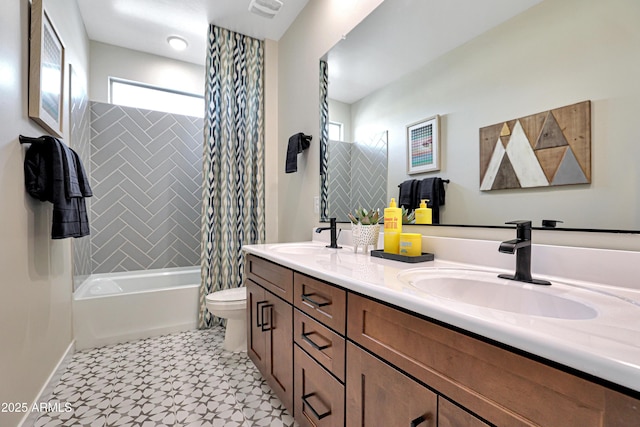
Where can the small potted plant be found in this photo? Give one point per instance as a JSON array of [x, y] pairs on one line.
[[365, 228], [408, 217]]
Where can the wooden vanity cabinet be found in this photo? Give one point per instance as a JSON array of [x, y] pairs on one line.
[[500, 386], [336, 358], [270, 327]]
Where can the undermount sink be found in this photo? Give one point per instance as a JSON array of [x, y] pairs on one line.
[[301, 248], [486, 289]]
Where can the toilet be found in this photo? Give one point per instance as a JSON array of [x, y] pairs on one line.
[[231, 304]]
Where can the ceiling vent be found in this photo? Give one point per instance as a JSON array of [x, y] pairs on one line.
[[265, 8]]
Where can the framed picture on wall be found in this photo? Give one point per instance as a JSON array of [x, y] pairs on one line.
[[423, 146], [46, 72]]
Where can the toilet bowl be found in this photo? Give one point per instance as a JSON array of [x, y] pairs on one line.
[[231, 304]]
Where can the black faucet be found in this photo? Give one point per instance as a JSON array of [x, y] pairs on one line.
[[521, 246], [334, 233]]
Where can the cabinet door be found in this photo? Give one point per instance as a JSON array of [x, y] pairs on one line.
[[278, 321], [450, 415], [256, 341], [379, 395]]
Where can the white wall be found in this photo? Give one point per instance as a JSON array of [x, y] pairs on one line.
[[319, 26], [113, 61], [272, 160], [555, 54], [36, 273], [341, 113]]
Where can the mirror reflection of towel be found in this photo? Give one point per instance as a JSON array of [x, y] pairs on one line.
[[432, 189], [297, 143], [407, 193]]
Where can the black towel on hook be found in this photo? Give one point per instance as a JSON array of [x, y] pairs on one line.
[[433, 190], [297, 143], [71, 180], [83, 179], [54, 173], [406, 193]]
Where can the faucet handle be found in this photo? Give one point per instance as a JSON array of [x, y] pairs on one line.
[[551, 223]]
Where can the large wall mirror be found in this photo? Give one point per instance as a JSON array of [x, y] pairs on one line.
[[477, 65]]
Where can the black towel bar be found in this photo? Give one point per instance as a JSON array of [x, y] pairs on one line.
[[29, 139]]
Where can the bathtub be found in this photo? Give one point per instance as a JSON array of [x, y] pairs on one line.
[[117, 307]]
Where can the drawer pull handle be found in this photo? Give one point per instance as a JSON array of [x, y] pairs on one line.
[[266, 326], [418, 421], [307, 298], [259, 314], [317, 415], [312, 343]]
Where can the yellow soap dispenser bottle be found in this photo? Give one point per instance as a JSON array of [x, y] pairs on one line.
[[392, 227], [423, 213]]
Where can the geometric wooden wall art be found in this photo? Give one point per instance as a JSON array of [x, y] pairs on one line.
[[545, 149]]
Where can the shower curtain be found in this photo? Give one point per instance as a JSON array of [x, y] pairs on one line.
[[324, 141], [233, 163]]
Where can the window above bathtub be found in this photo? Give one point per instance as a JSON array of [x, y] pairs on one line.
[[140, 95]]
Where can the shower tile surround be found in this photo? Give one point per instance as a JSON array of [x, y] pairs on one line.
[[357, 175], [338, 174], [183, 379], [146, 169], [80, 141]]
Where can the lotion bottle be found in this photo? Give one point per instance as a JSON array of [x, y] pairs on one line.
[[423, 213], [392, 227]]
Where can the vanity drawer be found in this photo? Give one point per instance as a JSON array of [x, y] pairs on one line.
[[323, 302], [273, 277], [502, 387], [319, 397], [324, 345]]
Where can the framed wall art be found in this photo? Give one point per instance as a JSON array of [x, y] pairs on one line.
[[423, 146], [46, 71], [546, 149]]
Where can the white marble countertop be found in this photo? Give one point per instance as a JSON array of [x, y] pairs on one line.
[[606, 346]]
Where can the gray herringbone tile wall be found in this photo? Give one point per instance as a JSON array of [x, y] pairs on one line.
[[369, 172], [357, 174], [339, 176], [80, 141], [147, 186]]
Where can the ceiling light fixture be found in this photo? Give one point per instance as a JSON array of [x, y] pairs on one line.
[[178, 43], [265, 8]]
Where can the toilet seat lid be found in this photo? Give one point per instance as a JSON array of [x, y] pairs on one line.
[[233, 294]]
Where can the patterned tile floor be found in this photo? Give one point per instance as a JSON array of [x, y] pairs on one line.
[[184, 379]]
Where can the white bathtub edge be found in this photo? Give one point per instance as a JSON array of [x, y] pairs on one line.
[[81, 292], [86, 342]]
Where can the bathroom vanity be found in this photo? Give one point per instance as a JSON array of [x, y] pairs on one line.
[[349, 340]]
